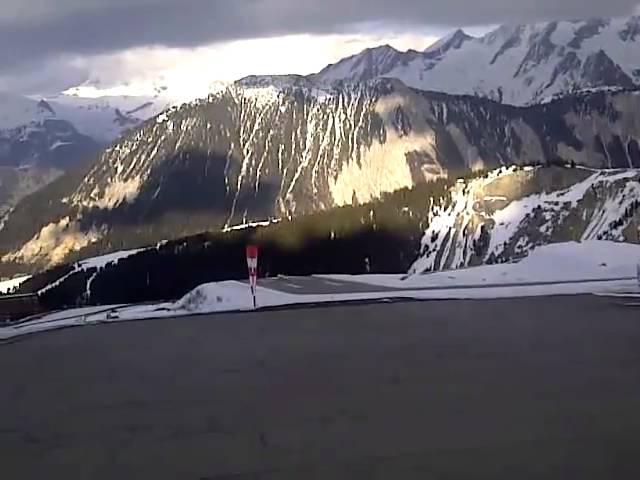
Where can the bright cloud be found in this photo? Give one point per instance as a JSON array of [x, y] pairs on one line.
[[192, 71]]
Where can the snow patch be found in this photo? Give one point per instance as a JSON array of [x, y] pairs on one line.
[[111, 258], [59, 144], [244, 226], [214, 297], [262, 96], [7, 285], [561, 262]]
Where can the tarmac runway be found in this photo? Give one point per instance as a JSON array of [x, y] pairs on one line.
[[514, 389], [319, 285]]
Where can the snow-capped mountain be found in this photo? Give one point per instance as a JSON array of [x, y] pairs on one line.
[[107, 118], [104, 119], [40, 139], [64, 130], [37, 150], [45, 143], [107, 113], [250, 153], [503, 216], [520, 64]]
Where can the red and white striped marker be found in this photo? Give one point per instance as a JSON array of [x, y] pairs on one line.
[[252, 264]]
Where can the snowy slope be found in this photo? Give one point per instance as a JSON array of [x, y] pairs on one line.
[[94, 265], [8, 285], [590, 260], [370, 64], [504, 216], [519, 64], [605, 264]]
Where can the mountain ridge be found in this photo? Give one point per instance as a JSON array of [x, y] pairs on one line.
[[516, 64], [250, 153]]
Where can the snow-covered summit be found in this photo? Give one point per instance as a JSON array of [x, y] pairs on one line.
[[454, 40], [367, 65], [516, 64], [103, 119]]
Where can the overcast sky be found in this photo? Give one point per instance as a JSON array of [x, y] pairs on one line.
[[51, 44]]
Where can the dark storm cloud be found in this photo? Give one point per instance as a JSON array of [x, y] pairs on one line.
[[32, 29]]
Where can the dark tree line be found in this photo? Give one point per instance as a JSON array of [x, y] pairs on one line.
[[378, 237], [382, 236]]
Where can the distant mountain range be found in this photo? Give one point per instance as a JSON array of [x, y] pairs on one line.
[[519, 64], [40, 139], [36, 152], [279, 146], [104, 119]]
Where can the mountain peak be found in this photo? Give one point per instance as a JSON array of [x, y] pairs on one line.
[[45, 107], [369, 64], [375, 54], [453, 40], [386, 48]]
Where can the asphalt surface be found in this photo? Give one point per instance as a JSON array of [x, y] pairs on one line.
[[321, 285], [513, 389]]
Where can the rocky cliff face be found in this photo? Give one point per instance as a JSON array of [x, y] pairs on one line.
[[508, 213], [17, 183], [309, 149], [262, 149]]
